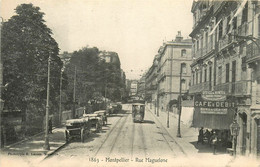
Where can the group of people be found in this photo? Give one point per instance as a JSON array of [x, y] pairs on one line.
[[211, 138]]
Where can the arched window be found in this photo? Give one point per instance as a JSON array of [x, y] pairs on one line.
[[183, 53]]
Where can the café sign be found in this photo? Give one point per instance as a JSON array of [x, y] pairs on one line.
[[213, 102]]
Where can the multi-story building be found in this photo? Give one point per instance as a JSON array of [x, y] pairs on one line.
[[226, 58], [132, 87], [174, 57], [151, 84], [109, 57], [141, 87]]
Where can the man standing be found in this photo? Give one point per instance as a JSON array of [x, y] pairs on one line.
[[200, 137]]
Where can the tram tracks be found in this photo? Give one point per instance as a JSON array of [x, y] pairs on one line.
[[119, 124], [165, 131], [108, 135], [118, 133]]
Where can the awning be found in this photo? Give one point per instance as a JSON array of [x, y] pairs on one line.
[[213, 121]]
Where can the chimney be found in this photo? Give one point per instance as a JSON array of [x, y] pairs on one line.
[[178, 37]]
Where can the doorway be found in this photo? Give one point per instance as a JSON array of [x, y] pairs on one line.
[[258, 137], [243, 117]]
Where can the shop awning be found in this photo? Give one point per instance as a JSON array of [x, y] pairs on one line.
[[213, 121]]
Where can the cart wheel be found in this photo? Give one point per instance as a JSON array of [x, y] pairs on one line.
[[82, 135]]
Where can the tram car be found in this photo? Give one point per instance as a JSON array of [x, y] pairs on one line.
[[138, 110]]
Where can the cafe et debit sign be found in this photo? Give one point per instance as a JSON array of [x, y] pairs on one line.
[[213, 110]]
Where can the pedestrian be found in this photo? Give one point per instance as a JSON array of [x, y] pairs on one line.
[[214, 141], [207, 135], [200, 137], [50, 125]]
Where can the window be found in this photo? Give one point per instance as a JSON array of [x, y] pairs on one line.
[[227, 72], [183, 85], [198, 45], [210, 75], [234, 23], [183, 68], [245, 13], [196, 77], [183, 52], [228, 25], [200, 76], [220, 29], [205, 75], [193, 78], [219, 74]]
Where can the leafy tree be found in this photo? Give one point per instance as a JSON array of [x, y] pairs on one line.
[[26, 45]]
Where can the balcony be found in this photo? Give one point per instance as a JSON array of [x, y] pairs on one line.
[[243, 29], [239, 88], [199, 87], [226, 41], [253, 52]]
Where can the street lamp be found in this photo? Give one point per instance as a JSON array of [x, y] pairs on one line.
[[180, 106], [46, 138], [234, 129], [60, 109]]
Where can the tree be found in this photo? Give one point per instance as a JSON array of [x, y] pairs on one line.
[[86, 64], [26, 45]]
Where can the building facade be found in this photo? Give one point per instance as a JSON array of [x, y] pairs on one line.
[[226, 58], [151, 84], [174, 57]]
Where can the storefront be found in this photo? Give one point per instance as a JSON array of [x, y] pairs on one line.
[[215, 110]]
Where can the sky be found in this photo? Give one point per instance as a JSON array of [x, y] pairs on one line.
[[135, 29]]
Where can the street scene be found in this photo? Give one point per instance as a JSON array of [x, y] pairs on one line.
[[130, 83]]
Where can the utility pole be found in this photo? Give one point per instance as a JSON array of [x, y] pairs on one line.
[[46, 143], [60, 110], [168, 107], [74, 94], [179, 119]]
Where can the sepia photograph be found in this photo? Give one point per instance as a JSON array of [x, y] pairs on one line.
[[130, 83]]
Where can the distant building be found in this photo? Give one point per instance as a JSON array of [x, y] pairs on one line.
[[173, 57], [109, 57], [141, 87], [151, 84]]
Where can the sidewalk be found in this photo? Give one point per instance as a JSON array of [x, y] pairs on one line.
[[197, 154], [32, 148]]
